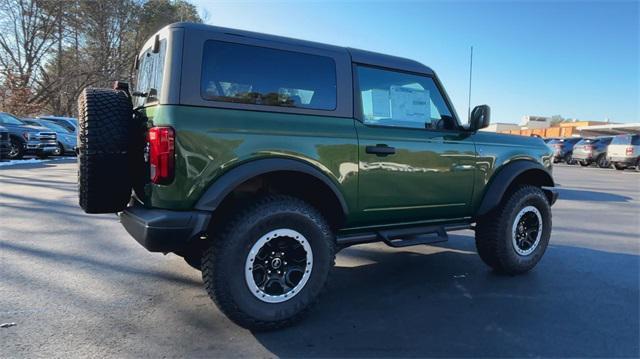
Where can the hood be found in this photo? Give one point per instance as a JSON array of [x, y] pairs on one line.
[[33, 128]]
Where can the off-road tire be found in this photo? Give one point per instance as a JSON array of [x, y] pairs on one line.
[[105, 136], [223, 264], [494, 231]]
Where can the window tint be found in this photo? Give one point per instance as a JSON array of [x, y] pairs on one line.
[[7, 119], [150, 74], [262, 76], [391, 98]]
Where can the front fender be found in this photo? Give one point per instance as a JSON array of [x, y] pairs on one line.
[[521, 171]]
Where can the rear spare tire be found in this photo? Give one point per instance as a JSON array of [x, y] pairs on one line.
[[105, 132]]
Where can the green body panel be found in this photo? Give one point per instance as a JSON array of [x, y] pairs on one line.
[[498, 150], [434, 176], [210, 141], [431, 175]]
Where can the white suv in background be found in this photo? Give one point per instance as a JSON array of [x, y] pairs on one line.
[[624, 151]]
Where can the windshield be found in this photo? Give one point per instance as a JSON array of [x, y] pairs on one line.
[[150, 75], [54, 127], [7, 119], [588, 141]]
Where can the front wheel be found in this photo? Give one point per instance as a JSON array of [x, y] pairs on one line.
[[270, 263], [584, 163], [602, 161], [16, 149], [513, 237]]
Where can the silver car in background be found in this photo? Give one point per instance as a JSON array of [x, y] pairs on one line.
[[67, 139]]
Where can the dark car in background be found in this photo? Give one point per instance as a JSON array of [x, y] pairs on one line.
[[25, 139], [69, 123], [563, 149], [4, 143], [67, 139], [592, 150]]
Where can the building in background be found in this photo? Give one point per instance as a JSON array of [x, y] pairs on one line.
[[545, 126]]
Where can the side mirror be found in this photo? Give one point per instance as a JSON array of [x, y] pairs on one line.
[[480, 117]]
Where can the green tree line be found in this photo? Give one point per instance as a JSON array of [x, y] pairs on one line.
[[52, 49]]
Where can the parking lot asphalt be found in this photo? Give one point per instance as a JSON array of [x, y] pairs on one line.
[[77, 285]]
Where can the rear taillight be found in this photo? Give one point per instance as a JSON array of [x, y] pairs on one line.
[[161, 154], [629, 151]]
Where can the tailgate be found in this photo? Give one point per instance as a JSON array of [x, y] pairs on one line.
[[617, 150]]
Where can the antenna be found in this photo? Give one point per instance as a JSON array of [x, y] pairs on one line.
[[470, 73]]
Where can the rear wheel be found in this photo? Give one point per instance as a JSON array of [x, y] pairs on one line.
[[619, 167], [584, 163], [270, 263], [513, 237], [568, 158]]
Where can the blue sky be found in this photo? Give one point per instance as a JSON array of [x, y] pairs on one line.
[[575, 59]]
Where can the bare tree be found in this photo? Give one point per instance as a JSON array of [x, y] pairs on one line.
[[27, 34]]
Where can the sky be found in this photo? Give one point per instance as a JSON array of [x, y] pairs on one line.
[[574, 59]]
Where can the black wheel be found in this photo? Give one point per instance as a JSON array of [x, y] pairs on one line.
[[602, 161], [512, 238], [584, 163], [619, 167], [270, 263], [568, 158], [105, 137], [16, 149]]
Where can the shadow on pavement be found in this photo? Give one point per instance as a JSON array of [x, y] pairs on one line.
[[593, 196], [449, 304]]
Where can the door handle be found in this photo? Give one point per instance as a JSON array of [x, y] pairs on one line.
[[381, 150]]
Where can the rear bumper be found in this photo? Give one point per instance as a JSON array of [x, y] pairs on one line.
[[627, 161], [161, 230], [583, 156]]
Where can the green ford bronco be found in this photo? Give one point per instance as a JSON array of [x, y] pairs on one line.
[[257, 158]]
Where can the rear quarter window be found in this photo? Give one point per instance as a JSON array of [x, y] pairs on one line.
[[264, 76], [151, 74]]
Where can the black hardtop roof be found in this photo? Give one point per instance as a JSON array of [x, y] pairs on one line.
[[358, 56]]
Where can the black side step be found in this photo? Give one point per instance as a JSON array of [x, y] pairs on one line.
[[413, 236], [403, 237]]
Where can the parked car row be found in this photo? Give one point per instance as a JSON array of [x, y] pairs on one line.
[[41, 137], [620, 152]]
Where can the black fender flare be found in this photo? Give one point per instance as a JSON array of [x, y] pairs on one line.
[[501, 181], [226, 183]]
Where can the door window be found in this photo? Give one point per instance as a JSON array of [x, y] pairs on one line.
[[391, 98]]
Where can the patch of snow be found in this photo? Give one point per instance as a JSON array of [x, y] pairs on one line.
[[5, 163]]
